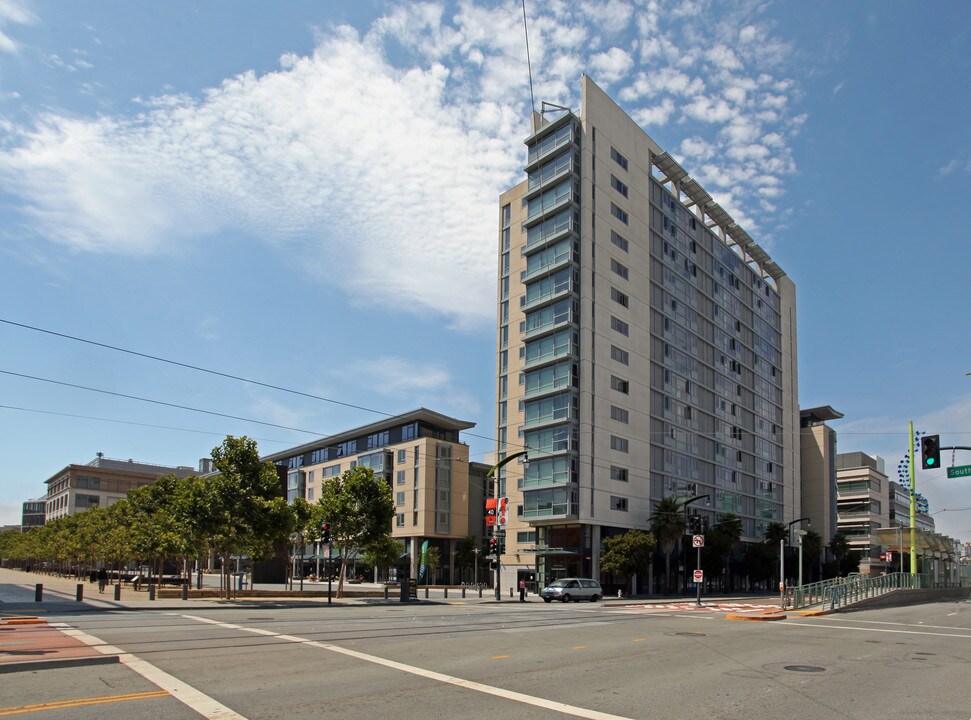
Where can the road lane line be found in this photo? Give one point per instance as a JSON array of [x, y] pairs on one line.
[[81, 702], [442, 678], [876, 630], [183, 692]]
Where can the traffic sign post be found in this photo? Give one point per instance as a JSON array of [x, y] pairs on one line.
[[698, 542]]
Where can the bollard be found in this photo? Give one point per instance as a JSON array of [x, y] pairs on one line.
[[463, 592], [480, 592], [385, 592], [151, 591], [446, 593], [426, 592], [510, 592], [79, 594], [118, 591], [185, 590], [38, 592]]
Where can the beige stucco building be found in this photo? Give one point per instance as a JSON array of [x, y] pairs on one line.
[[439, 495], [100, 483], [646, 348]]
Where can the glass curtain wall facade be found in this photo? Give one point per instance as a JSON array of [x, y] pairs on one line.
[[646, 347]]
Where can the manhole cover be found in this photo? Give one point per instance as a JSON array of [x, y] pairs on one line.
[[690, 634], [804, 668]]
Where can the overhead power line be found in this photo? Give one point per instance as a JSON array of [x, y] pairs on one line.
[[158, 402]]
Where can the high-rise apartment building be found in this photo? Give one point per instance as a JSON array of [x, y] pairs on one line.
[[646, 348]]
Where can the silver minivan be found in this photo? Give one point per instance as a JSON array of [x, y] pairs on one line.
[[567, 589]]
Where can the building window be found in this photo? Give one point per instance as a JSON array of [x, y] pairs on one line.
[[618, 473], [618, 503], [526, 536], [619, 384], [400, 477], [399, 520], [619, 414], [619, 268], [618, 297], [619, 214], [399, 499], [618, 443], [619, 241], [506, 214], [618, 186], [621, 356], [618, 158], [619, 325]]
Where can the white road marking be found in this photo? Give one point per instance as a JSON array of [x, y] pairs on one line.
[[183, 692], [887, 622], [862, 629], [431, 675]]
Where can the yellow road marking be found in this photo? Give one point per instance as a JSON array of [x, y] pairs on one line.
[[500, 657], [64, 704], [579, 647], [639, 639]]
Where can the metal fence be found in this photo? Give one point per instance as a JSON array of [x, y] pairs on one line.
[[838, 592]]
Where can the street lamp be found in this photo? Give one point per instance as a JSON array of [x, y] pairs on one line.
[[492, 474], [800, 534], [782, 559]]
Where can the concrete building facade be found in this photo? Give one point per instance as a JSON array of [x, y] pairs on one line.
[[646, 348], [817, 443], [100, 483], [439, 495]]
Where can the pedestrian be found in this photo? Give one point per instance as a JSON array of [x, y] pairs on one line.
[[102, 580], [522, 590]]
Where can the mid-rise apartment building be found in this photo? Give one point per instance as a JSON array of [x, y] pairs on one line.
[[100, 483], [438, 494], [863, 504], [33, 513], [646, 348], [817, 460]]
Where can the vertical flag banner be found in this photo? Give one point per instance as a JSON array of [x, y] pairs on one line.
[[423, 560]]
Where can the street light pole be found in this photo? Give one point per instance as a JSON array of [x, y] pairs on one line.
[[495, 531], [800, 534], [789, 544]]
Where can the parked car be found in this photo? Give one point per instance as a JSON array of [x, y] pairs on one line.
[[567, 589]]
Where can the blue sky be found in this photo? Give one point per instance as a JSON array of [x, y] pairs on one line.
[[305, 194]]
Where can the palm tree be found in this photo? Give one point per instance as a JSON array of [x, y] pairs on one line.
[[667, 526], [812, 545], [720, 541], [840, 547]]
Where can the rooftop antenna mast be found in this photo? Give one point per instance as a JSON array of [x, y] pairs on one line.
[[529, 68]]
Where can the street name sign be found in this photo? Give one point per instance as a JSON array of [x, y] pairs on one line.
[[959, 471]]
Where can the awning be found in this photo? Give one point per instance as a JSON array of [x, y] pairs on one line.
[[898, 538]]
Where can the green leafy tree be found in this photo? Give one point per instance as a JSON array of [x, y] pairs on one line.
[[720, 540], [812, 548], [382, 553], [667, 526], [359, 508], [628, 554], [241, 511], [465, 557]]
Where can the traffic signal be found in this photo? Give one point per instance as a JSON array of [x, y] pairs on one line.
[[930, 452], [325, 533], [694, 525], [493, 546]]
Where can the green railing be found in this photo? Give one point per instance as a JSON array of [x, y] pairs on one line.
[[838, 592]]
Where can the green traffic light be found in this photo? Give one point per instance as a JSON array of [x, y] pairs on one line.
[[930, 461]]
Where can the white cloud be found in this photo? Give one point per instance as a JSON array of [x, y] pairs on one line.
[[611, 66], [389, 170], [416, 383], [17, 13]]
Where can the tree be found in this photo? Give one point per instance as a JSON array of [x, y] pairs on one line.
[[241, 510], [720, 540], [465, 556], [359, 508], [383, 552], [839, 546], [628, 554], [667, 526], [812, 546]]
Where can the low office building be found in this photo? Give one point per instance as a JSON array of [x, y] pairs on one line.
[[33, 514], [438, 494], [100, 483]]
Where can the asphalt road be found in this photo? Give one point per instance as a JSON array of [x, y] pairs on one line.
[[510, 660]]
